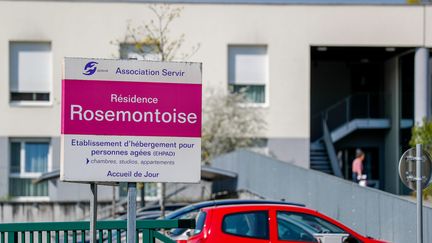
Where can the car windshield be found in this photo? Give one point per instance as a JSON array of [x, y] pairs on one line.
[[310, 223], [189, 215], [180, 212]]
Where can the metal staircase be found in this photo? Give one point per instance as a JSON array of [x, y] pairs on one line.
[[356, 112], [319, 159]]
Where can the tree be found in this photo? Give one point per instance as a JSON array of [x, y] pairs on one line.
[[154, 38], [413, 1], [229, 123], [422, 134]]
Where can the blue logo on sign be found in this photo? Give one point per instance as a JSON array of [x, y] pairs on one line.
[[90, 68]]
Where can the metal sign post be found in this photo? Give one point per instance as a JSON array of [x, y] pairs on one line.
[[93, 212], [415, 170], [419, 178], [131, 212]]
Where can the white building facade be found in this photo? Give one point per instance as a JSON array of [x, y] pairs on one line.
[[271, 49]]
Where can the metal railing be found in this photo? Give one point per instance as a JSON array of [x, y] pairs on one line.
[[107, 231], [334, 162], [358, 106]]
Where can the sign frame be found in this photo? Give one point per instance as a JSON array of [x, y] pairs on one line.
[[131, 121]]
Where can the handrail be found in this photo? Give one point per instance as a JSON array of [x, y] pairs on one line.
[[340, 102], [361, 105], [345, 99], [334, 162], [71, 231]]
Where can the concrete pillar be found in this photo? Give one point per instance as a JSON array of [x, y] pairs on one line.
[[421, 85], [392, 86]]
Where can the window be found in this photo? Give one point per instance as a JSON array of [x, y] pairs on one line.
[[139, 52], [310, 223], [247, 71], [200, 221], [290, 230], [28, 160], [247, 224], [30, 71], [301, 227], [260, 145]]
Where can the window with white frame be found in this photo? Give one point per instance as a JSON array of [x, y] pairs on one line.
[[139, 52], [30, 71], [247, 71], [29, 158]]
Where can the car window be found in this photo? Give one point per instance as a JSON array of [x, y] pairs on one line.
[[248, 224], [310, 223], [200, 220], [291, 231]]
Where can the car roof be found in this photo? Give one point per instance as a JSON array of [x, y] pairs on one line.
[[246, 207], [200, 205]]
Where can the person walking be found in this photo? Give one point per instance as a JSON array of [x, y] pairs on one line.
[[357, 166]]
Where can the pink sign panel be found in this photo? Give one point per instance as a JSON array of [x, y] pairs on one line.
[[92, 107]]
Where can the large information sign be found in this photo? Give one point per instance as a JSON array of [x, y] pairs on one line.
[[130, 121]]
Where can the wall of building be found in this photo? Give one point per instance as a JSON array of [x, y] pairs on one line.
[[82, 29], [48, 211], [57, 191]]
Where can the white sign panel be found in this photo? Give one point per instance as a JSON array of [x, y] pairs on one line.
[[131, 121]]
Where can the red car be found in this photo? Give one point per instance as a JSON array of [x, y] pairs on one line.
[[270, 224]]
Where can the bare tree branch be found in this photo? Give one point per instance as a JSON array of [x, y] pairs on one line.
[[155, 35]]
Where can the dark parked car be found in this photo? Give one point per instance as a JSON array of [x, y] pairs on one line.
[[153, 211]]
